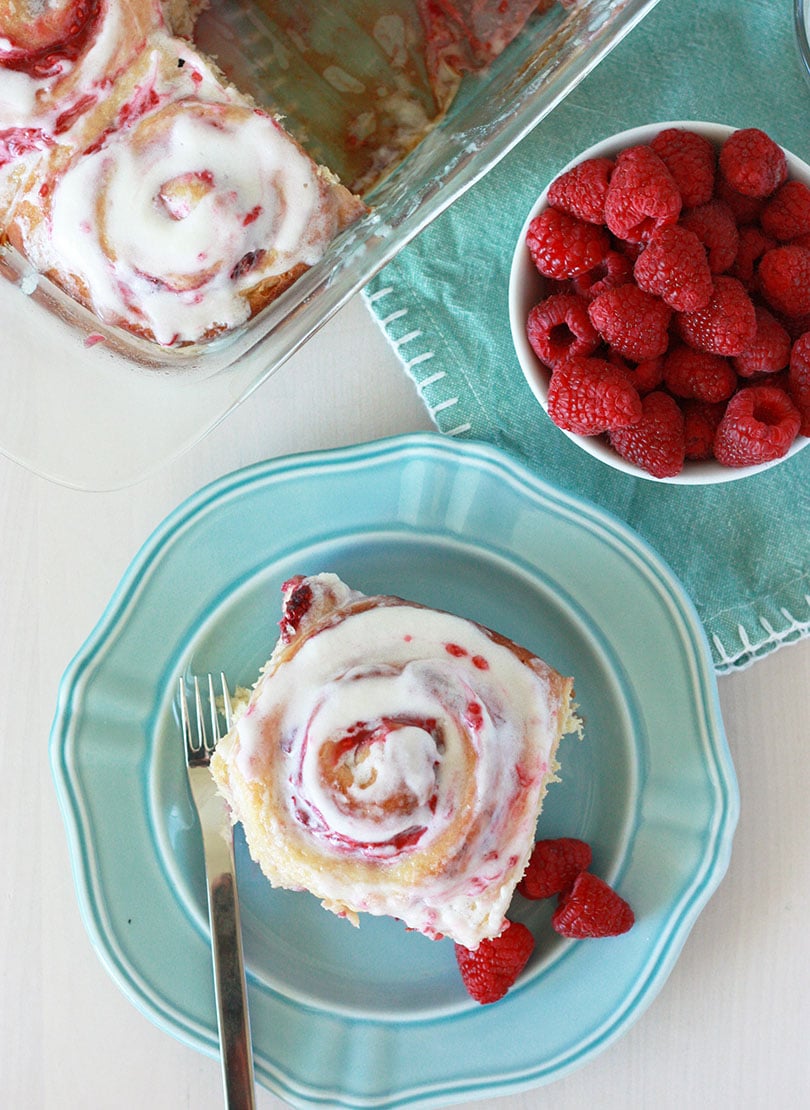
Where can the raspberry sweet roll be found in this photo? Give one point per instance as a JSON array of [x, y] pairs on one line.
[[58, 59], [142, 183], [393, 759], [186, 210]]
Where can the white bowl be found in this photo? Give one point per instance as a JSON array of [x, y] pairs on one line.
[[527, 287]]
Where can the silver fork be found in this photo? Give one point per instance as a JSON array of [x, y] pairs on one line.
[[223, 904]]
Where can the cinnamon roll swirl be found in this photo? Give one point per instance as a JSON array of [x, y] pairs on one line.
[[393, 759], [143, 183], [166, 228], [58, 58]]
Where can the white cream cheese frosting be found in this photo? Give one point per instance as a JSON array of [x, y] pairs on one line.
[[136, 177], [168, 223], [58, 58]]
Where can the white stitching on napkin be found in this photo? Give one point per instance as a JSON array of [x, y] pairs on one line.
[[416, 360], [408, 338], [372, 297], [750, 652], [422, 358]]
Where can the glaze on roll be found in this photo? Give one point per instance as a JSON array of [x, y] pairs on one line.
[[393, 759], [58, 59], [141, 182], [167, 229]]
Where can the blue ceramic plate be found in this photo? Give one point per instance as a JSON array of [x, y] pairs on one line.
[[376, 1016]]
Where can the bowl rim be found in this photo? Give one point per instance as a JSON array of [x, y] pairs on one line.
[[801, 29], [523, 276]]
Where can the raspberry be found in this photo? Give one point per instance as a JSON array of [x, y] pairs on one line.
[[696, 276], [656, 442], [592, 908], [753, 242], [698, 374], [553, 866], [799, 380], [728, 323], [700, 423], [642, 195], [581, 190], [297, 603], [647, 375], [489, 970], [673, 266], [562, 246], [752, 162], [770, 350], [615, 269], [784, 277], [759, 425], [795, 326], [630, 249], [588, 396], [745, 210], [632, 321], [716, 228], [559, 327], [692, 161], [787, 213]]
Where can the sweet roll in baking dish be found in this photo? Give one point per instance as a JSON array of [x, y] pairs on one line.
[[143, 183]]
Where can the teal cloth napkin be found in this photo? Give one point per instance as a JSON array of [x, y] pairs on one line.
[[741, 549]]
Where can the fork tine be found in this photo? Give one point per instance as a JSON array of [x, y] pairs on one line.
[[202, 736], [226, 701], [185, 719], [214, 711], [202, 740]]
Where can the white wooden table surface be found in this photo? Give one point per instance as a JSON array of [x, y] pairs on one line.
[[729, 1028]]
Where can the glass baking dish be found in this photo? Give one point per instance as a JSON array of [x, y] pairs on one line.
[[93, 409]]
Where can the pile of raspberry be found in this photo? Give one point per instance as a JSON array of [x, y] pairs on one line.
[[587, 907], [676, 320]]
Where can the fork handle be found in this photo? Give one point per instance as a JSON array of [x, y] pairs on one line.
[[230, 990]]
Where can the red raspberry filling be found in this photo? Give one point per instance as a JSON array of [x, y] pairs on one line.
[[39, 47], [18, 141], [296, 605]]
